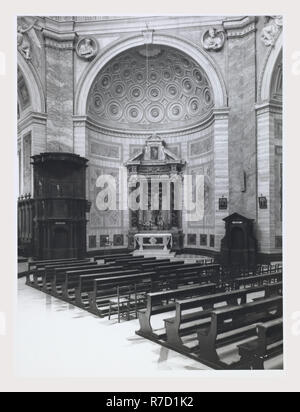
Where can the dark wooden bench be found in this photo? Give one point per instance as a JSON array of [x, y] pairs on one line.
[[108, 282], [189, 313], [173, 277], [106, 288], [156, 282], [161, 302], [147, 264], [172, 268], [250, 281], [132, 262], [123, 259], [70, 279], [116, 256], [33, 264], [237, 322], [159, 264], [34, 276], [268, 345], [51, 275], [204, 273]]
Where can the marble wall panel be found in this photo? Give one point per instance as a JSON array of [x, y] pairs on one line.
[[59, 76]]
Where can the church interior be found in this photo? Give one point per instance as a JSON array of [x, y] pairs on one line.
[[150, 194]]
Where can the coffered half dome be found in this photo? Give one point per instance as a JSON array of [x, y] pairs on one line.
[[150, 88]]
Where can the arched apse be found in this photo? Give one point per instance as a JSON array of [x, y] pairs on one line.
[[148, 87], [196, 53]]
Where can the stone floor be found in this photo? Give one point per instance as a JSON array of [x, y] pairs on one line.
[[55, 339]]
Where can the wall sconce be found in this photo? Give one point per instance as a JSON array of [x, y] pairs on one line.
[[223, 203], [263, 202]]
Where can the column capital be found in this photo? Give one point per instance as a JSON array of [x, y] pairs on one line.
[[32, 118], [79, 121], [268, 107], [221, 113]]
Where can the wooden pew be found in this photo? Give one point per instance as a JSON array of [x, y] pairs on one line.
[[161, 302], [269, 344], [70, 280], [108, 281], [117, 256], [148, 265], [189, 313], [250, 281], [52, 276], [238, 322], [173, 277], [133, 262], [172, 268], [105, 288], [34, 276], [34, 263], [123, 259], [161, 264], [205, 272]]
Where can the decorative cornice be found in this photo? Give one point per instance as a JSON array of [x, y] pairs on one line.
[[268, 107], [86, 121], [32, 118], [239, 28], [137, 24], [222, 113], [60, 41]]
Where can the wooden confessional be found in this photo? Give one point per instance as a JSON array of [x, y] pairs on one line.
[[239, 246]]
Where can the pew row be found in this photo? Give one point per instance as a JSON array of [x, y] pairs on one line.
[[69, 280], [190, 313], [35, 274], [99, 291], [250, 281], [164, 301], [234, 323], [116, 256], [267, 345], [50, 275]]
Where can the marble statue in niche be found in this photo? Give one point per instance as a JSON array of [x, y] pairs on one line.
[[87, 48], [23, 41], [271, 31], [213, 39]]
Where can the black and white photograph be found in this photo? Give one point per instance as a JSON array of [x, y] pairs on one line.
[[150, 195]]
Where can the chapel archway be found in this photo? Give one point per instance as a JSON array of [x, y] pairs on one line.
[[133, 91], [150, 88]]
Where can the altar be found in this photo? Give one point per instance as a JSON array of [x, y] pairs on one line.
[[155, 220], [153, 244]]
